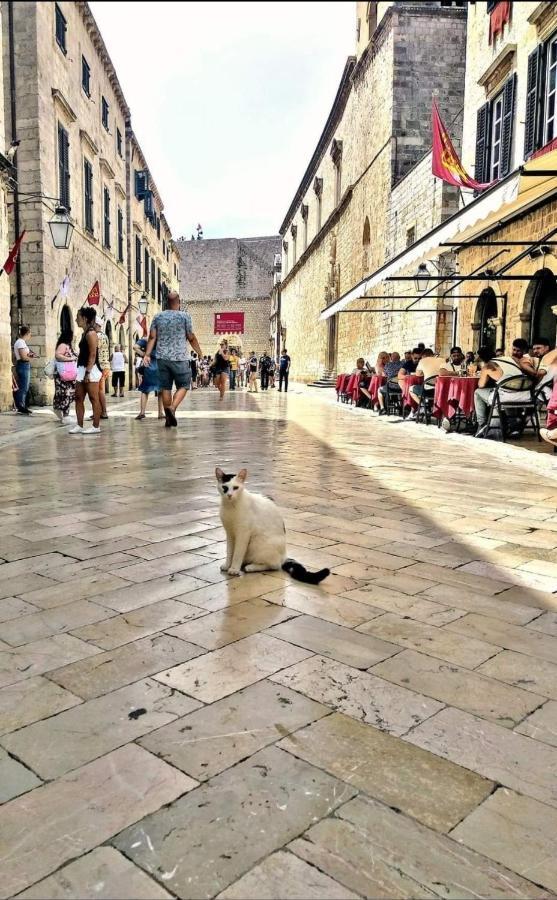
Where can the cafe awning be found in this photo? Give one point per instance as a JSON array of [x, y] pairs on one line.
[[533, 183]]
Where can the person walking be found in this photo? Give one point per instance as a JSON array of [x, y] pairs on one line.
[[242, 365], [265, 363], [23, 356], [118, 364], [88, 372], [171, 330], [150, 380], [233, 359], [222, 368], [252, 364], [64, 377], [284, 369], [104, 364]]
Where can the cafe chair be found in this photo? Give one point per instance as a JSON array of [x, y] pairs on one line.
[[393, 397], [424, 412], [514, 415]]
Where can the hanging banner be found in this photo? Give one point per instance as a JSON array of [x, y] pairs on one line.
[[229, 323], [94, 295], [445, 162]]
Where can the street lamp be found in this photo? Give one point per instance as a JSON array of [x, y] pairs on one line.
[[61, 228], [421, 278], [143, 304], [277, 269]]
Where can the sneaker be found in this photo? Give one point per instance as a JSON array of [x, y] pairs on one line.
[[28, 411], [77, 429], [411, 417], [170, 417], [545, 434], [446, 424], [92, 430], [23, 411], [383, 412], [481, 432]]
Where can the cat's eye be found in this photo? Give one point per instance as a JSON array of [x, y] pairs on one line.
[[235, 488]]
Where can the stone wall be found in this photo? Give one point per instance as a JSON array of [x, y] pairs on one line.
[[5, 330], [256, 323]]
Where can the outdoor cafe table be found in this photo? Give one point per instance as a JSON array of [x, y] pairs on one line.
[[452, 393], [375, 383], [405, 385]]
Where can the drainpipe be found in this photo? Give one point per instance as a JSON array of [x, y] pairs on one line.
[[13, 123]]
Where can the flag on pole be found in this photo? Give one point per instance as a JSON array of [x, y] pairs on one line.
[[445, 162], [94, 295], [109, 312], [142, 322], [122, 318], [8, 266]]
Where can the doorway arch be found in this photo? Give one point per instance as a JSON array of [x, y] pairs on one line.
[[542, 297], [486, 314]]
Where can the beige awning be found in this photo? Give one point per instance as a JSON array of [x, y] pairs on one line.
[[515, 194]]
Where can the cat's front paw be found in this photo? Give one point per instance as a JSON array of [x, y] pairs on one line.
[[224, 567], [233, 571]]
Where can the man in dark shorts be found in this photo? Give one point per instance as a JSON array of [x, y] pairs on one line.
[[171, 330]]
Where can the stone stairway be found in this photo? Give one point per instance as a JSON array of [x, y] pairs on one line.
[[328, 380]]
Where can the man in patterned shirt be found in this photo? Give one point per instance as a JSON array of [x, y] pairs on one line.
[[171, 330]]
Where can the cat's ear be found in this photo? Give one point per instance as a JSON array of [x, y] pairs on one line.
[[242, 475], [219, 474]]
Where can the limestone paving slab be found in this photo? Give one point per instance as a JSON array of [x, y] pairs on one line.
[[458, 687], [510, 637], [542, 724], [516, 831], [213, 597], [547, 623], [497, 607], [112, 669], [526, 672], [429, 639], [13, 608], [327, 639], [414, 607], [83, 588], [78, 735], [27, 701], [217, 629], [264, 802], [317, 603], [213, 738], [358, 694], [437, 793], [104, 873], [518, 762], [45, 623], [15, 779], [80, 811], [222, 672], [284, 875], [42, 656], [137, 623]]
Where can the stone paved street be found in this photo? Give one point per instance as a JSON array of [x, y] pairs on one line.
[[168, 731]]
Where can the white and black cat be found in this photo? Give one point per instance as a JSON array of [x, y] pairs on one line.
[[255, 532]]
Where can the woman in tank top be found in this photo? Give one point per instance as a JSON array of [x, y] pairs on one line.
[[88, 372], [222, 366]]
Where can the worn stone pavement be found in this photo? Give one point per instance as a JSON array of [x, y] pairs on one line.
[[167, 731]]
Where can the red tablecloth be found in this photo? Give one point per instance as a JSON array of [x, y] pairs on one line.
[[353, 385], [340, 379], [552, 408], [461, 395], [342, 382], [441, 406], [375, 383], [406, 384]]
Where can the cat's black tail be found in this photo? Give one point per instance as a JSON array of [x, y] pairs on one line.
[[299, 572]]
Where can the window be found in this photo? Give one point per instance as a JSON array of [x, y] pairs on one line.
[[88, 195], [61, 28], [410, 236], [318, 190], [119, 143], [146, 273], [158, 228], [85, 76], [120, 220], [106, 210], [141, 184], [153, 282], [137, 260], [159, 285], [494, 135], [541, 97], [64, 167], [104, 112], [294, 234], [304, 212], [163, 247], [336, 154]]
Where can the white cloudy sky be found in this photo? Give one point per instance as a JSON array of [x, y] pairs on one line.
[[228, 101]]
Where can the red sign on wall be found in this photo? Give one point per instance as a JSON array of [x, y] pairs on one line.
[[229, 323]]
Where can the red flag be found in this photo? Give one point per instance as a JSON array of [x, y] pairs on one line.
[[445, 162], [12, 255], [142, 322], [94, 295], [122, 318]]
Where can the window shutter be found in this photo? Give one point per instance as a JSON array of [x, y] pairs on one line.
[[64, 166], [509, 92], [534, 96], [481, 169]]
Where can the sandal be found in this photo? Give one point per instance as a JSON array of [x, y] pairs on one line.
[[140, 416], [544, 433]]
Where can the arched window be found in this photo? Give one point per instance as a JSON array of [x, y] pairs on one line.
[[366, 243], [122, 336], [542, 318], [66, 320]]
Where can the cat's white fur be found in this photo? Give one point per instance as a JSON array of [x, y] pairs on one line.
[[255, 531]]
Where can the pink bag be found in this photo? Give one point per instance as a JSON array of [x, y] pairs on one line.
[[67, 371]]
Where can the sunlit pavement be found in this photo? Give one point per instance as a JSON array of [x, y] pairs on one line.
[[166, 730]]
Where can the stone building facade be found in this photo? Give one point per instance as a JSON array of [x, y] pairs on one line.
[[521, 54], [368, 188], [76, 145], [6, 175], [229, 275]]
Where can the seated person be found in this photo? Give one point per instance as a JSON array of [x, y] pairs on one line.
[[409, 366], [545, 361], [470, 358], [382, 360], [493, 371], [362, 367], [429, 366], [391, 370], [454, 363]]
